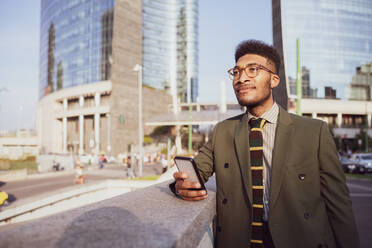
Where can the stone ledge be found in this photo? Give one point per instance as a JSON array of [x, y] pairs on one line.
[[150, 217], [67, 198]]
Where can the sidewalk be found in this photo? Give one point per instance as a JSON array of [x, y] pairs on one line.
[[110, 170], [117, 170]]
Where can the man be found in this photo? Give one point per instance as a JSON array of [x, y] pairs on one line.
[[279, 181]]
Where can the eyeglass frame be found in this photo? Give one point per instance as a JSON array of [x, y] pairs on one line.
[[244, 69]]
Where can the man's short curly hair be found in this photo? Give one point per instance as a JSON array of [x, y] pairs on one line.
[[259, 48]]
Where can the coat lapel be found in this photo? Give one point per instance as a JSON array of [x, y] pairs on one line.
[[280, 153], [241, 141]]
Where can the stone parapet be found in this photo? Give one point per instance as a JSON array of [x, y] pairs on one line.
[[150, 217]]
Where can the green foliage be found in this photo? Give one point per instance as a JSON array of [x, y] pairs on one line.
[[361, 136], [146, 178], [164, 150], [161, 130], [28, 163], [338, 142], [30, 159], [147, 139], [4, 164], [364, 176], [148, 86]]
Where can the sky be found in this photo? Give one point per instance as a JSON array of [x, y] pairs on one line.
[[19, 63], [222, 25]]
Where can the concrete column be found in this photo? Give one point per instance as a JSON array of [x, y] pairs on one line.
[[96, 130], [369, 118], [339, 119], [81, 127], [64, 131], [97, 100], [314, 115], [108, 133], [65, 104], [81, 101], [178, 139], [64, 126], [81, 134]]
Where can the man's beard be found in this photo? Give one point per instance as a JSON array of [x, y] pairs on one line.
[[252, 104]]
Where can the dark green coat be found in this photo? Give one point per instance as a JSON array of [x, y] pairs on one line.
[[309, 200]]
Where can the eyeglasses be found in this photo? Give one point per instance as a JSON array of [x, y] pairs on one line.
[[251, 70]]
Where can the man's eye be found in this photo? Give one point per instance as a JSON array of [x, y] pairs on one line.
[[236, 72], [252, 69]]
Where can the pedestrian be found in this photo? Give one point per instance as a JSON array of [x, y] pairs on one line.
[[279, 180], [56, 166], [101, 160], [164, 163], [130, 172], [79, 177]]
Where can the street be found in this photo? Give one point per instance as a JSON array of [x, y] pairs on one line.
[[361, 195], [22, 189]]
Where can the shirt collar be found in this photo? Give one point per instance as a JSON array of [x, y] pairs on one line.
[[270, 116]]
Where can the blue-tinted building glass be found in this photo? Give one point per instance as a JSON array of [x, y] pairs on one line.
[[170, 45], [335, 38], [75, 43]]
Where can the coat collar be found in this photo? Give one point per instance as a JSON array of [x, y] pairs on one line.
[[283, 135], [241, 142]]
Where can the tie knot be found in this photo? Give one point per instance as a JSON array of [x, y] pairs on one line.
[[256, 123]]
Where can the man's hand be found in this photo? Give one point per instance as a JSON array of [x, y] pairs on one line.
[[186, 190]]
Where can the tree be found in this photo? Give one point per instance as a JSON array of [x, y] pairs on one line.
[[106, 44], [59, 76], [182, 56], [51, 46], [357, 145]]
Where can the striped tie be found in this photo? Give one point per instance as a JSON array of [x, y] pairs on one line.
[[256, 152]]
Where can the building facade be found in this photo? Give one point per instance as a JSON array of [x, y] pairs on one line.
[[335, 38], [75, 43], [20, 145], [170, 46], [88, 92], [360, 87], [307, 91]]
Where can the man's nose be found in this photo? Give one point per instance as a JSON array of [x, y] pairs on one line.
[[244, 77]]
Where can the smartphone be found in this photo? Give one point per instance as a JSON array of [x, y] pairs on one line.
[[188, 165]]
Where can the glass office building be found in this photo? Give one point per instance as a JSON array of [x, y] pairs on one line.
[[76, 44], [335, 38], [170, 46]]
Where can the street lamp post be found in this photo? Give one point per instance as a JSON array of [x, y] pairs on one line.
[[138, 68], [369, 71]]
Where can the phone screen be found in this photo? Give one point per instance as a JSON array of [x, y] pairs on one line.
[[185, 164]]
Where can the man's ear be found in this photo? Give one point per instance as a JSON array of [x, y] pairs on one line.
[[275, 79]]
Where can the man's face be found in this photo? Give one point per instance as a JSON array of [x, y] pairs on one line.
[[255, 91]]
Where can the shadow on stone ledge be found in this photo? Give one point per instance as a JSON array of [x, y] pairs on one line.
[[103, 228]]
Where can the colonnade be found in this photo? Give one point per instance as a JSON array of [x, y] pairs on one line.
[[97, 101]]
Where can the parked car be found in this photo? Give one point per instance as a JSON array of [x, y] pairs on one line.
[[364, 159], [350, 166], [4, 198]]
